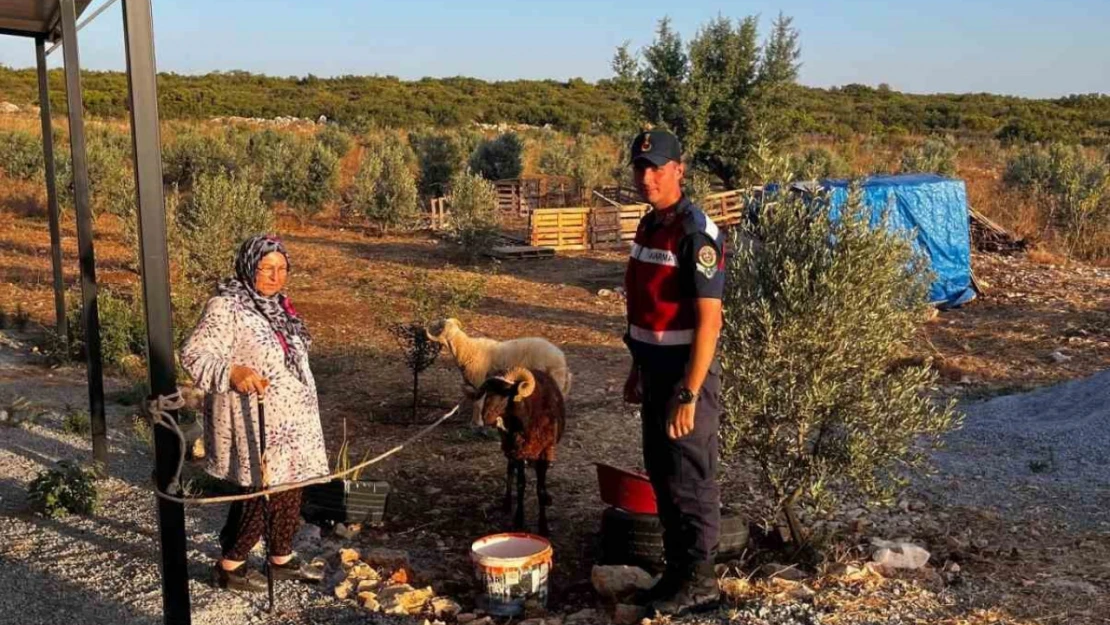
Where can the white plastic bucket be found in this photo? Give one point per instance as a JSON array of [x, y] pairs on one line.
[[513, 569]]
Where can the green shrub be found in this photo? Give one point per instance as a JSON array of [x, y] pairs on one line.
[[222, 211], [555, 158], [807, 382], [301, 173], [384, 189], [1072, 188], [21, 155], [111, 178], [500, 158], [819, 164], [592, 162], [446, 296], [76, 422], [63, 490], [191, 154], [934, 156], [440, 156], [472, 222], [320, 167], [334, 139], [122, 327]]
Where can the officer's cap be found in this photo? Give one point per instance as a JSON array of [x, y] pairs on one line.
[[656, 147]]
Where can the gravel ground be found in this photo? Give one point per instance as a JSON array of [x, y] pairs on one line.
[[105, 567], [1048, 450]]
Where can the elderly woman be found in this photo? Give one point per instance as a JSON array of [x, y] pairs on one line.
[[250, 341]]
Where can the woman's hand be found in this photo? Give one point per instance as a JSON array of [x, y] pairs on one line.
[[247, 381]]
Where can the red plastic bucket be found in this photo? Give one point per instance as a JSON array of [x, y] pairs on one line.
[[625, 489]]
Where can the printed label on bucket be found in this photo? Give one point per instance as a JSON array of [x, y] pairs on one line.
[[513, 569], [507, 591]]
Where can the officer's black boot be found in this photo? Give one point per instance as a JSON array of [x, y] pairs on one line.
[[667, 584], [698, 591]]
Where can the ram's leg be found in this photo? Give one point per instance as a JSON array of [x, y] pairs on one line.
[[476, 418], [541, 495], [518, 518]]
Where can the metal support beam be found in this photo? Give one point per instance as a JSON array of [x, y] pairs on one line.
[[142, 100], [90, 316], [61, 324], [85, 22]]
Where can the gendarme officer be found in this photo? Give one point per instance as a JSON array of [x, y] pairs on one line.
[[675, 283]]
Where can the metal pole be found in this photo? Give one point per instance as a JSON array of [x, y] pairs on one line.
[[142, 100], [61, 323], [90, 315], [85, 22]]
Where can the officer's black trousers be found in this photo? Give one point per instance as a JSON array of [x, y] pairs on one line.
[[683, 472]]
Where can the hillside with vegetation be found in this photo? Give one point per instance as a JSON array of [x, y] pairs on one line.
[[573, 106]]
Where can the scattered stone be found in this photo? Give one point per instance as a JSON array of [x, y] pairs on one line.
[[390, 559], [323, 119], [605, 293], [344, 532], [625, 614], [465, 618], [308, 538], [1059, 357], [362, 571], [534, 609], [735, 586], [780, 571], [343, 590], [442, 607], [582, 617], [348, 557], [369, 601], [614, 582], [900, 555], [404, 599], [8, 107], [485, 620], [1071, 585]]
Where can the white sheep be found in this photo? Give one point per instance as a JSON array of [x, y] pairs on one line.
[[478, 357]]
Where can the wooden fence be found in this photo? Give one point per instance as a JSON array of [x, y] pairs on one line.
[[438, 212], [613, 226], [561, 228], [606, 225], [726, 208]]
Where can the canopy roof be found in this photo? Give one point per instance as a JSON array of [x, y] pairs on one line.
[[34, 18]]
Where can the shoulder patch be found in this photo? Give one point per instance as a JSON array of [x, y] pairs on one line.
[[707, 256]]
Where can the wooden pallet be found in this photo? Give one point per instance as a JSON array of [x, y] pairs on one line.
[[521, 252]]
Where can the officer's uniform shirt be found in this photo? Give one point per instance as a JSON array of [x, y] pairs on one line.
[[678, 256]]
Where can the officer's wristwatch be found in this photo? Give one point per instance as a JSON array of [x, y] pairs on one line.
[[686, 396]]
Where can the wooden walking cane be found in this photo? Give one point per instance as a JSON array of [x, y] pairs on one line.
[[266, 511]]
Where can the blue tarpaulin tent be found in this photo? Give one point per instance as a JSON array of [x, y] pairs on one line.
[[934, 206]]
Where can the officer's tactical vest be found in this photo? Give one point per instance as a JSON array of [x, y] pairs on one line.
[[661, 302]]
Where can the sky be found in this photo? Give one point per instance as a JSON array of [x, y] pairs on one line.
[[1032, 48]]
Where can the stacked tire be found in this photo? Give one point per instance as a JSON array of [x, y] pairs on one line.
[[637, 539]]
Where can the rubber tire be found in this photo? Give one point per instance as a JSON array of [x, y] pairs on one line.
[[629, 538]]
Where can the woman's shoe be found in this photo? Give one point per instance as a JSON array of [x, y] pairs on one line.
[[241, 578], [297, 570]]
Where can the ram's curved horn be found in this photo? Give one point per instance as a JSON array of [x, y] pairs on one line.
[[436, 331], [524, 379]]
